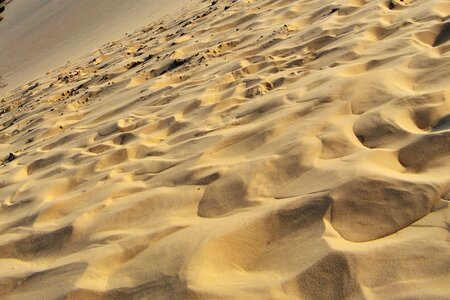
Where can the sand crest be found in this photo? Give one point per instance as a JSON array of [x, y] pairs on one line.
[[273, 149]]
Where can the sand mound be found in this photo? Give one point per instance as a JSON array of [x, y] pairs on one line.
[[263, 149]]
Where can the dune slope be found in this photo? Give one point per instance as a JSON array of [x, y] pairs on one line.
[[276, 149], [40, 35]]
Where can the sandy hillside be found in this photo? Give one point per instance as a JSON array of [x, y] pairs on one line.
[[37, 36], [270, 149]]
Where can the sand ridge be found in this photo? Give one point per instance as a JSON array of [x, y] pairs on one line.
[[264, 149]]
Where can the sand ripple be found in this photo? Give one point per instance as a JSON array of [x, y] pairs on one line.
[[263, 149]]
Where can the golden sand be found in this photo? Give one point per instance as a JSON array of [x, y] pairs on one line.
[[273, 149]]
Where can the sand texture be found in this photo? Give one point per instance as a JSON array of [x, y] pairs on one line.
[[37, 36], [257, 149]]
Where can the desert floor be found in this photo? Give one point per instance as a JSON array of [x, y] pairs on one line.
[[230, 149]]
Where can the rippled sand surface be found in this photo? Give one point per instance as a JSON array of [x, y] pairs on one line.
[[272, 149]]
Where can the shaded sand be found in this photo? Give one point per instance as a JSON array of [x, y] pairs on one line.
[[261, 149]]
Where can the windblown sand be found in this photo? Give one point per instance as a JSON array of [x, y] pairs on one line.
[[272, 149]]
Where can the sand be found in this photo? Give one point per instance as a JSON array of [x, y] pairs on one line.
[[273, 149], [40, 35]]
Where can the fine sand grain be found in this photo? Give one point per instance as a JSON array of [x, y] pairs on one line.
[[237, 149]]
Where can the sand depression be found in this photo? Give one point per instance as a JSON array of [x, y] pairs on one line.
[[272, 149]]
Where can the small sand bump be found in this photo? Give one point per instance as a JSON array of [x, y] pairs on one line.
[[232, 149]]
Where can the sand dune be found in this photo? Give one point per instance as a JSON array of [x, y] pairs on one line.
[[273, 149], [40, 35]]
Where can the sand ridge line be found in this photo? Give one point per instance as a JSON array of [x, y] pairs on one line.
[[287, 150]]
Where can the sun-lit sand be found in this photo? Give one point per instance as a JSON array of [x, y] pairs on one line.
[[227, 149]]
